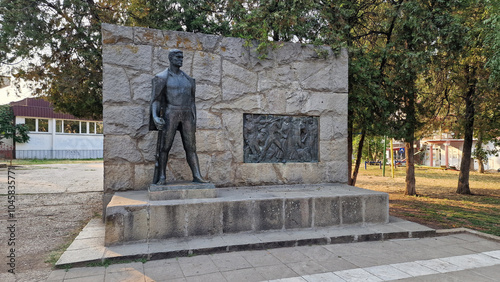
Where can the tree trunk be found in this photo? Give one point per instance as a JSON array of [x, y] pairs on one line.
[[349, 151], [479, 153], [358, 158], [410, 169], [463, 177]]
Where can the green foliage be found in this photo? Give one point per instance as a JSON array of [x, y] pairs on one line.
[[61, 42], [373, 149], [8, 128], [180, 15]]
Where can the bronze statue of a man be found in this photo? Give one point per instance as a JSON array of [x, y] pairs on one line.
[[173, 108]]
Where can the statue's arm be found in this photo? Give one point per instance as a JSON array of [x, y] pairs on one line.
[[193, 93], [158, 87]]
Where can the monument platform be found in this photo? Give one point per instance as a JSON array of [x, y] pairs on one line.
[[89, 244], [133, 217], [181, 190]]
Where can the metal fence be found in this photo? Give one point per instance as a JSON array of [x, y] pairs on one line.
[[59, 154]]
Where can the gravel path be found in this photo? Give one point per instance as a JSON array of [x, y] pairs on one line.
[[53, 202]]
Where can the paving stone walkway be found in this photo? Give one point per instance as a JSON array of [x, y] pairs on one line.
[[454, 257]]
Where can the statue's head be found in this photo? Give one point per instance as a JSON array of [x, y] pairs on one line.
[[175, 57]]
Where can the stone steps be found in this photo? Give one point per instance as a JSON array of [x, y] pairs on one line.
[[89, 244], [132, 217]]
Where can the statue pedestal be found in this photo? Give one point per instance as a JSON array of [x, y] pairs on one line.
[[132, 216], [181, 190]]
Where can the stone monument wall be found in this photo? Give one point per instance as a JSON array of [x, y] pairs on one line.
[[294, 80]]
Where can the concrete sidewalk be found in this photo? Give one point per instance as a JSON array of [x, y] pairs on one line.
[[456, 255]]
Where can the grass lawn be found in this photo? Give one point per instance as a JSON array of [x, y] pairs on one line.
[[437, 205]]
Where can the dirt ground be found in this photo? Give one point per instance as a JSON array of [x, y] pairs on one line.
[[53, 202]]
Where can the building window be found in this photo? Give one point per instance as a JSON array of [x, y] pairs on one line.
[[83, 126], [31, 123], [43, 125], [91, 127], [59, 126], [99, 127], [71, 126]]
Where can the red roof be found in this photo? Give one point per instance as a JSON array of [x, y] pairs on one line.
[[33, 107]]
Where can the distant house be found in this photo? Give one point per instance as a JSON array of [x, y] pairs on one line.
[[445, 151], [55, 135]]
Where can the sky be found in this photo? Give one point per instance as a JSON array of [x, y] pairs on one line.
[[9, 94]]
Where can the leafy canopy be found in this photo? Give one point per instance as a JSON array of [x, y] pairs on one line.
[[10, 130]]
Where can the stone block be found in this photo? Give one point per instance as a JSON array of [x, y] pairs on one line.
[[235, 216], [125, 120], [182, 40], [209, 43], [300, 173], [137, 57], [210, 93], [204, 219], [352, 209], [141, 89], [250, 103], [147, 145], [326, 211], [121, 148], [288, 53], [320, 103], [279, 76], [208, 120], [207, 68], [148, 36], [167, 221], [200, 193], [114, 34], [298, 213], [233, 50], [160, 59], [115, 85], [333, 127], [237, 81], [275, 101], [377, 208], [218, 168], [257, 173], [136, 224], [118, 176], [333, 150], [181, 190], [269, 214], [210, 141], [296, 100], [232, 123], [334, 171], [114, 232], [143, 175], [369, 237], [317, 76], [178, 170]]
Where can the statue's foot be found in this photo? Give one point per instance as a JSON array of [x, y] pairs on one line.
[[199, 180], [162, 181]]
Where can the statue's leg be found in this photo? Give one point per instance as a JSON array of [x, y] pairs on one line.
[[168, 139], [189, 142]]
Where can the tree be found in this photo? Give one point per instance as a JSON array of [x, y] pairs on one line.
[[9, 130], [461, 77], [61, 41], [182, 15]]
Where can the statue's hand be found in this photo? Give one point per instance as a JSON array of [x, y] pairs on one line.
[[159, 122]]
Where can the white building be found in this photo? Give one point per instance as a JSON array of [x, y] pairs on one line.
[[447, 152], [54, 135]]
